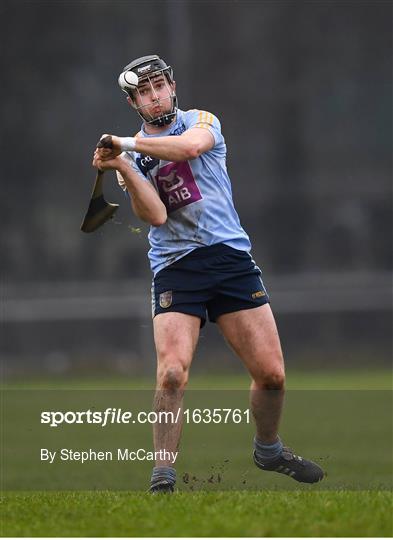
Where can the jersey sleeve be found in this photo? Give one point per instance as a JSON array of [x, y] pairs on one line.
[[205, 120]]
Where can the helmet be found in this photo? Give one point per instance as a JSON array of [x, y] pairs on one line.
[[145, 69]]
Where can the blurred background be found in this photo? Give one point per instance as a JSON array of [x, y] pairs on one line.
[[303, 90]]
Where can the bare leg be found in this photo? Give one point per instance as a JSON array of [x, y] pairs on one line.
[[253, 335], [175, 336], [266, 407]]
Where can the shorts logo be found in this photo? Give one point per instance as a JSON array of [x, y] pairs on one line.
[[166, 299], [258, 294]]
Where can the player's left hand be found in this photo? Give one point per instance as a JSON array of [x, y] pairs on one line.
[[108, 147], [106, 162]]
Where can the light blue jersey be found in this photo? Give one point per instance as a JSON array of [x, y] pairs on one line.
[[197, 195]]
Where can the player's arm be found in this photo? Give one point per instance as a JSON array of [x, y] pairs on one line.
[[189, 145], [145, 202]]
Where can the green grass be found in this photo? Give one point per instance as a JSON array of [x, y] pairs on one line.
[[200, 514], [340, 430], [338, 379]]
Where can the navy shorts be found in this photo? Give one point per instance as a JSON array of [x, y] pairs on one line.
[[211, 280]]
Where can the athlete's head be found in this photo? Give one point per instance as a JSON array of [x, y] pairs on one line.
[[149, 83]]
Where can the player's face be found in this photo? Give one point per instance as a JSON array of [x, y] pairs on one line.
[[153, 97]]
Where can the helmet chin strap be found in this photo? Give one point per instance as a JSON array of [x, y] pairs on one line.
[[163, 120]]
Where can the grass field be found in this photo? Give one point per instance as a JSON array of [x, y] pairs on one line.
[[199, 514], [356, 502], [342, 379]]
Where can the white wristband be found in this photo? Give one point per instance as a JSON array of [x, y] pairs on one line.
[[127, 144]]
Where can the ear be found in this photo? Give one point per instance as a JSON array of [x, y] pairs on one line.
[[130, 102]]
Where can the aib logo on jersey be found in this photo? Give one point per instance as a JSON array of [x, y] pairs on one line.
[[177, 186]]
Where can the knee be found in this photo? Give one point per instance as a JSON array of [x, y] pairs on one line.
[[271, 380], [172, 378], [275, 380]]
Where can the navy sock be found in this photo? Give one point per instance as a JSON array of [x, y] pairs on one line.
[[267, 452], [167, 474]]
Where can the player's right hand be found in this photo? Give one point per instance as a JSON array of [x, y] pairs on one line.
[[109, 146], [107, 162]]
